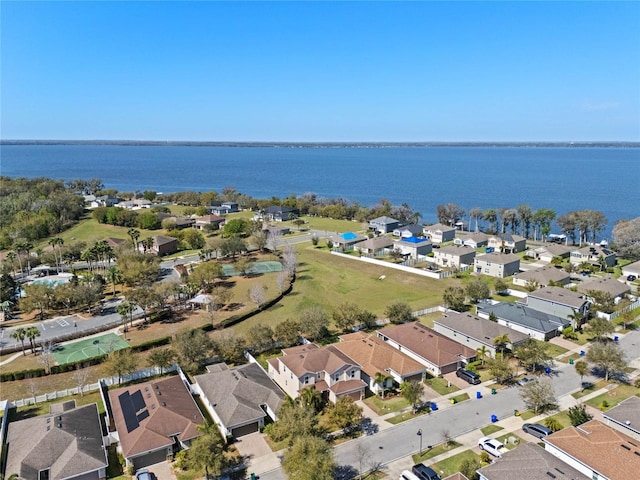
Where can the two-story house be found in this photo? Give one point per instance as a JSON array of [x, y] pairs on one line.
[[439, 233], [596, 255], [497, 264], [453, 256], [384, 224], [508, 243], [326, 369]]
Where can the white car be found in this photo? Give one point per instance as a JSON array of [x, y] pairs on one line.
[[492, 446]]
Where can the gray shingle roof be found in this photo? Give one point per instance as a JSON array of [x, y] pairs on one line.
[[626, 413], [480, 329], [238, 392], [527, 317]]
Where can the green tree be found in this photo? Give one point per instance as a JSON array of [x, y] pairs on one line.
[[539, 396], [230, 346], [600, 328], [582, 368], [469, 467], [344, 414], [534, 354], [314, 322], [162, 358], [477, 290], [399, 312], [114, 277], [236, 227], [308, 450], [233, 246], [553, 424], [192, 347], [381, 379], [607, 357], [346, 316], [501, 342], [125, 310], [205, 274], [294, 419], [395, 254], [260, 337], [37, 296], [500, 369], [20, 334], [134, 235], [287, 333], [32, 333], [482, 353], [121, 363], [453, 298], [412, 392], [311, 397], [208, 452], [578, 415]]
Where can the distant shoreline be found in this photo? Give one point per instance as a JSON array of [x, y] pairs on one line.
[[155, 143]]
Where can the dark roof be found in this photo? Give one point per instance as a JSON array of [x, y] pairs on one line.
[[162, 240], [480, 329], [525, 316], [67, 442], [626, 413], [278, 209], [238, 393]]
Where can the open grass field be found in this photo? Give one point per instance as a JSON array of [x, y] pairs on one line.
[[451, 465], [90, 231], [88, 348]]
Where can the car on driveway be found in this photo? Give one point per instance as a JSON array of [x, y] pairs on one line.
[[424, 473], [536, 430], [525, 380], [492, 446], [145, 474]]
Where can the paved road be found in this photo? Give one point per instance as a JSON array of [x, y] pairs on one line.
[[402, 440]]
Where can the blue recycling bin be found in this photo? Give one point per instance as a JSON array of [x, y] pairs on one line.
[[582, 353], [434, 406], [616, 338], [478, 395], [547, 370], [494, 418]]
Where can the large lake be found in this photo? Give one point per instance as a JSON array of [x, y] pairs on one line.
[[564, 179]]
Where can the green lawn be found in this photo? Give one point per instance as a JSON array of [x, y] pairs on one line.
[[460, 398], [527, 415], [441, 385], [613, 397], [403, 417], [439, 449], [506, 439], [451, 465], [388, 405], [590, 389], [552, 349], [491, 428], [561, 417], [573, 356]]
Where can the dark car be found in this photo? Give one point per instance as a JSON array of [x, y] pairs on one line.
[[424, 473], [468, 376], [536, 430], [631, 278], [145, 474]]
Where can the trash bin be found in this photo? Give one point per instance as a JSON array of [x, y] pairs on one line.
[[494, 418], [453, 400], [616, 338], [434, 406], [253, 476], [582, 353], [547, 370], [493, 391], [571, 361], [478, 395], [516, 413]]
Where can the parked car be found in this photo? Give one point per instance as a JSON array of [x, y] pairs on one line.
[[468, 376], [424, 473], [631, 278], [536, 430], [407, 475], [492, 446], [525, 380]]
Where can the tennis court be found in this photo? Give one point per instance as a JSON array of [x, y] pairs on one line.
[[88, 348], [266, 266]]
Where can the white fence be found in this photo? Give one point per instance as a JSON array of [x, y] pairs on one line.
[[616, 314], [145, 373]]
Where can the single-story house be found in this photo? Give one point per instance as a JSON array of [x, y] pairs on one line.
[[531, 462], [223, 208], [114, 242], [135, 204], [508, 243], [239, 399], [542, 277], [595, 255], [414, 247], [375, 246], [375, 356], [546, 253], [384, 224], [475, 240], [631, 269], [162, 245], [104, 201], [558, 301], [202, 222], [179, 221], [410, 230], [279, 213], [153, 420], [65, 444], [625, 416], [597, 450], [436, 352], [609, 285], [347, 240], [326, 369], [531, 322], [496, 264], [439, 233], [276, 229], [454, 256], [476, 332]]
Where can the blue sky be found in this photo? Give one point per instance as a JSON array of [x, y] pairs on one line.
[[321, 71]]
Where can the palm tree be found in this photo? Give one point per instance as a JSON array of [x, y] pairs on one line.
[[581, 369], [11, 256], [134, 235], [114, 276], [20, 334], [482, 351], [32, 333], [311, 397], [381, 379], [56, 242], [578, 318], [476, 213], [501, 342], [125, 309]]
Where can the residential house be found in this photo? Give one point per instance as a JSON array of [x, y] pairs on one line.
[[595, 255], [223, 208], [180, 222], [436, 352], [65, 444], [496, 264], [598, 451], [413, 247], [541, 277], [454, 256], [375, 356], [531, 462], [276, 229], [278, 213], [476, 332], [162, 245], [475, 240], [439, 233], [608, 286], [548, 252], [239, 399], [631, 269], [326, 369], [410, 230], [153, 420], [104, 201], [346, 241], [375, 246], [114, 242], [625, 417], [508, 243], [202, 223], [531, 322], [558, 301], [384, 224], [135, 204]]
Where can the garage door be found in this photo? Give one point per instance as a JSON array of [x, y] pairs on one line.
[[245, 430], [150, 459]]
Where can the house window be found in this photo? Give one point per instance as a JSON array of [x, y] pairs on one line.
[[353, 374], [337, 377], [306, 379], [43, 474]]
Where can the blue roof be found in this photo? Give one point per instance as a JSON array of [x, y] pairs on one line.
[[413, 240], [348, 236]]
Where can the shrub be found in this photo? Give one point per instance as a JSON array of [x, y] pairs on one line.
[[485, 458]]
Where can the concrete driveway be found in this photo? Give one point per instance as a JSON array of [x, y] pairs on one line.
[[257, 453], [162, 471]]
